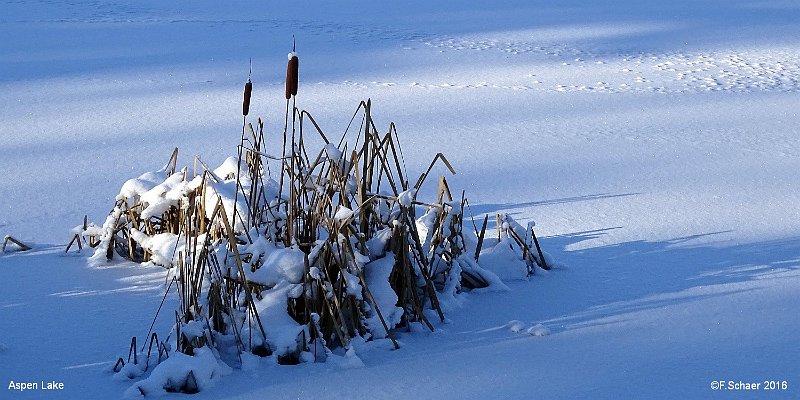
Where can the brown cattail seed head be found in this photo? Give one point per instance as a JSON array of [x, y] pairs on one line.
[[291, 75], [248, 89]]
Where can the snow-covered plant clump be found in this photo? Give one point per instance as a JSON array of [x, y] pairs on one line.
[[333, 248]]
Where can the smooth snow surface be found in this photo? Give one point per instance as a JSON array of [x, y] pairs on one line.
[[654, 143]]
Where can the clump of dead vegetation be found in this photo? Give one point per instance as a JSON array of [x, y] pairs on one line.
[[294, 252]]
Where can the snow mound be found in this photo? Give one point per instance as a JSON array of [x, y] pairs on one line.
[[504, 261], [181, 373], [515, 326], [538, 330]]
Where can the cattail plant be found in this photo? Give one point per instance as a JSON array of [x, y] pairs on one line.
[[248, 90], [292, 75], [292, 70], [299, 264]]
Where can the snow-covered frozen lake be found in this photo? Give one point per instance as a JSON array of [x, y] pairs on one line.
[[654, 144]]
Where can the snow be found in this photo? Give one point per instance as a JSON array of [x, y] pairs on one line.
[[229, 169], [173, 372], [143, 184], [282, 331], [333, 152], [165, 195], [538, 330], [343, 214], [406, 198], [280, 264], [505, 262], [654, 143], [163, 246], [515, 326], [192, 329], [376, 275]]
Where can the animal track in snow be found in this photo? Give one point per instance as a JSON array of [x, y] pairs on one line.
[[676, 72]]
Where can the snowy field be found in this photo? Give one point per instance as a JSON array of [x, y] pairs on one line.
[[654, 143]]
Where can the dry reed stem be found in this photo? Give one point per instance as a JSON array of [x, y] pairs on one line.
[[22, 246]]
